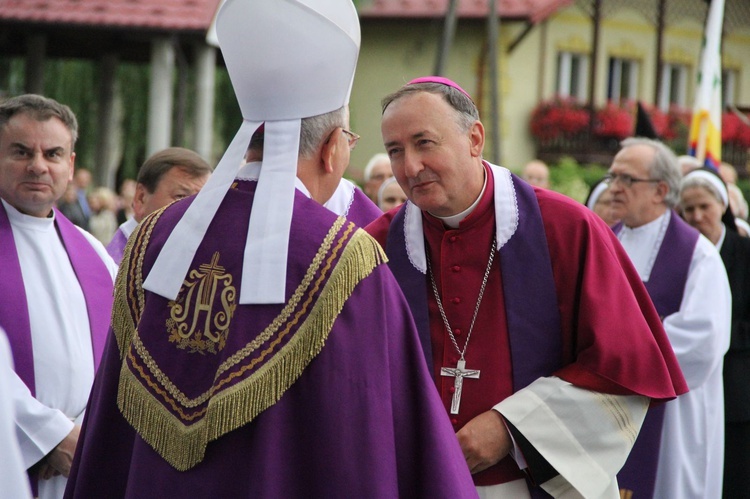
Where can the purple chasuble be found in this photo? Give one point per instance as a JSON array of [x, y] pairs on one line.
[[528, 287], [666, 286], [362, 211], [93, 277], [324, 396], [117, 245]]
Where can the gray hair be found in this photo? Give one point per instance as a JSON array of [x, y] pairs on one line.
[[41, 109], [466, 111], [377, 158], [664, 167], [316, 129]]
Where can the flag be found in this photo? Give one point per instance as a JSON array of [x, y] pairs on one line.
[[705, 130]]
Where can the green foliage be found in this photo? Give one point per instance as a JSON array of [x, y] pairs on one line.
[[134, 82], [573, 179], [73, 82]]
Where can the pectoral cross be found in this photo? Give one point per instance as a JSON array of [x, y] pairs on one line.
[[459, 372]]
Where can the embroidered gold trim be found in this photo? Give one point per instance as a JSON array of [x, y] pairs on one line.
[[129, 297], [184, 446]]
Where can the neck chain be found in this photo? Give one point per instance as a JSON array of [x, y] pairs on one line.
[[460, 351]]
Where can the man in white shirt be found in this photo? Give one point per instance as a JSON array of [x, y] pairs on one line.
[[686, 280], [55, 287]]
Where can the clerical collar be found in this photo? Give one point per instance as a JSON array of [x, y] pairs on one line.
[[28, 221], [642, 243], [453, 221]]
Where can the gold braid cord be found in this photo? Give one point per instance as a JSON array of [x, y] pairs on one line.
[[145, 391]]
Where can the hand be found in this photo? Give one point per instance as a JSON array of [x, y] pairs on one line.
[[484, 440], [45, 471], [61, 457]]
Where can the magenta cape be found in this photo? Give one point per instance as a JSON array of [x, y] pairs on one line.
[[609, 337], [361, 418]]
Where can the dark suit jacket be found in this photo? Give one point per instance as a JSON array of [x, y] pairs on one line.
[[735, 252]]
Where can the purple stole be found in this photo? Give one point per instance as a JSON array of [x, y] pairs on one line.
[[116, 246], [665, 286], [93, 276], [528, 288]]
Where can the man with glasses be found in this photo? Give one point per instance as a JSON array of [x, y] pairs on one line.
[[348, 200], [686, 280]]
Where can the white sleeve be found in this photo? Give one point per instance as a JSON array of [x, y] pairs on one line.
[[12, 474], [699, 332], [586, 436], [38, 428]]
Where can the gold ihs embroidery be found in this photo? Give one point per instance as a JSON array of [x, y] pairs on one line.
[[193, 323]]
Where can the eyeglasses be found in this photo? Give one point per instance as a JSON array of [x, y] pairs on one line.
[[626, 180], [352, 137]]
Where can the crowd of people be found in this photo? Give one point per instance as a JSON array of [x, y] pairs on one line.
[[451, 329]]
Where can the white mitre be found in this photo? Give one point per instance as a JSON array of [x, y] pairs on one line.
[[288, 60]]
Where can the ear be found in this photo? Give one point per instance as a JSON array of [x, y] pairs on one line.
[[329, 149], [661, 192], [139, 200], [72, 166], [476, 139]]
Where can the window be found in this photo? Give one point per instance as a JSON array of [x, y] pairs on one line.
[[623, 79], [572, 75], [674, 84]]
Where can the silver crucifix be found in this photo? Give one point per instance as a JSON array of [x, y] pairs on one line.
[[459, 372]]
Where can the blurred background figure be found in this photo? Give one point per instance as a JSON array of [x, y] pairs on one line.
[[82, 181], [103, 220], [704, 200], [70, 206], [739, 207], [390, 195], [599, 201], [536, 173], [687, 163], [377, 170], [727, 173], [125, 200]]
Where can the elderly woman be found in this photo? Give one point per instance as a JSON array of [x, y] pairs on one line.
[[704, 201], [599, 201]]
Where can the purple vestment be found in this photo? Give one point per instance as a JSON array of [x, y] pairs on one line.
[[93, 277], [326, 396], [362, 211], [116, 246], [666, 285]]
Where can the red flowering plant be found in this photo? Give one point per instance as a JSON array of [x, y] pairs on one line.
[[560, 117], [615, 121], [735, 130], [660, 120]]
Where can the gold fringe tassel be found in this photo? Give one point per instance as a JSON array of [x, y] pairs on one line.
[[184, 446]]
